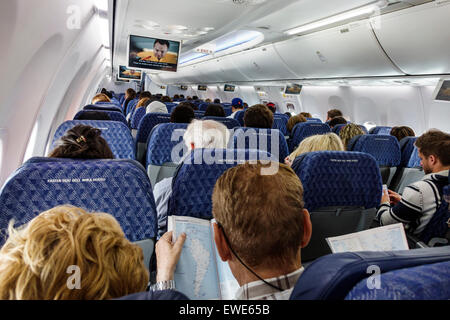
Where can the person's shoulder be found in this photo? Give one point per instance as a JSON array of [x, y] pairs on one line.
[[162, 185]]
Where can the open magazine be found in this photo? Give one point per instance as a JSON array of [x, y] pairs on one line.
[[200, 273], [387, 238]]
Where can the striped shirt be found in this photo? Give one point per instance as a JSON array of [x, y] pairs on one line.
[[258, 290], [419, 202]]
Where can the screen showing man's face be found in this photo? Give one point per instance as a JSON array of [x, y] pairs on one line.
[[160, 50]]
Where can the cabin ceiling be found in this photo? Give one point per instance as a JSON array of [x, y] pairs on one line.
[[196, 22]]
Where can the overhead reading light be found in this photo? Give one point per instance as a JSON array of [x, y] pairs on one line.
[[362, 11]]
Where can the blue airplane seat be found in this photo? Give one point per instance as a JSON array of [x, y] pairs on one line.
[[116, 134], [409, 170], [270, 140], [147, 123], [203, 106], [381, 130], [136, 117], [280, 123], [304, 130], [170, 106], [228, 122], [193, 182], [131, 105], [199, 114], [165, 140], [313, 120], [342, 190], [228, 111], [239, 116], [337, 128], [113, 115], [346, 275], [384, 148], [103, 107], [118, 187]]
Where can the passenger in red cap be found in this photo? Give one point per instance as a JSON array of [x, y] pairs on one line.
[[236, 105], [272, 107]]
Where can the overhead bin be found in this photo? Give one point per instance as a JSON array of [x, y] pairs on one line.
[[345, 51], [418, 39], [209, 71], [228, 71], [262, 64]]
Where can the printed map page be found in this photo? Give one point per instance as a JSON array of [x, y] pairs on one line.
[[387, 238], [196, 274]]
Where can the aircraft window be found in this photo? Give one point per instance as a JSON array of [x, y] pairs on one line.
[[31, 142]]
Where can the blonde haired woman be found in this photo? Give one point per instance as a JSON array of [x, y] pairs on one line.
[[101, 97], [322, 142], [348, 132], [66, 253]]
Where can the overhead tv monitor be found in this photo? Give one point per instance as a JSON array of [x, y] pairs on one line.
[[129, 74], [184, 88], [293, 89], [442, 92], [202, 87], [120, 80], [229, 88], [153, 53]]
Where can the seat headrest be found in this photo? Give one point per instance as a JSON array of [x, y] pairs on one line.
[[337, 128], [136, 117], [194, 181], [271, 140], [414, 160], [118, 187], [384, 148], [381, 130], [228, 122], [148, 122], [339, 178], [116, 134], [406, 149], [304, 130], [162, 141]]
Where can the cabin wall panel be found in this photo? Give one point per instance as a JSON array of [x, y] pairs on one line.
[[35, 63]]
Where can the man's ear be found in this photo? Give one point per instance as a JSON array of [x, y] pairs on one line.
[[432, 159], [221, 244], [307, 228]]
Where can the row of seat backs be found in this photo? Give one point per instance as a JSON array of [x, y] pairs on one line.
[[381, 130], [114, 115], [195, 177], [103, 107], [348, 182], [116, 134], [118, 187], [166, 140], [420, 274]]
